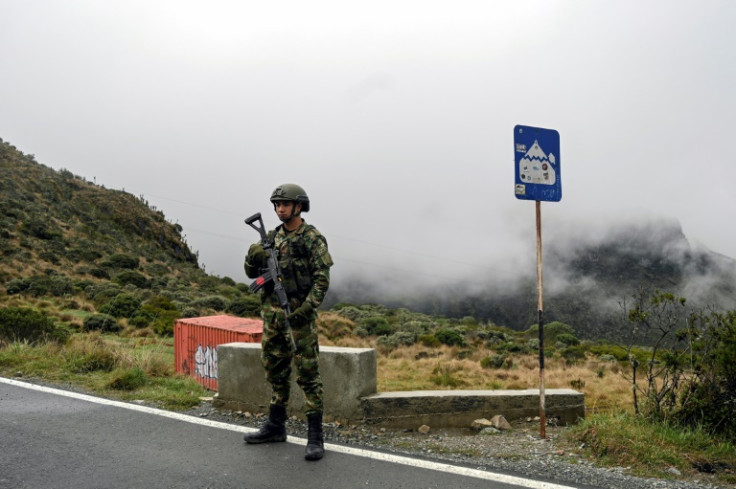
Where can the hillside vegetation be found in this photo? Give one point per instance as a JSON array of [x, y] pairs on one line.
[[92, 280], [97, 258]]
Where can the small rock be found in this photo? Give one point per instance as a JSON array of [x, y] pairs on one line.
[[424, 429], [481, 423], [489, 431], [674, 471], [498, 421]]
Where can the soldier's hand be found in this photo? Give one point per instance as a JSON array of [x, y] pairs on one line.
[[257, 256], [301, 315]]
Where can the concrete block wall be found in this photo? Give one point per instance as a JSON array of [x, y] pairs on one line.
[[459, 408], [349, 378], [348, 375]]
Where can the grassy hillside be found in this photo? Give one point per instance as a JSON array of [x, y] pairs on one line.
[[79, 247]]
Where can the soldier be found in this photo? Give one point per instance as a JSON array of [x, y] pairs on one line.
[[305, 265]]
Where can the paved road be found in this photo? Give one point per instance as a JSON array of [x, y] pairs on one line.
[[58, 439]]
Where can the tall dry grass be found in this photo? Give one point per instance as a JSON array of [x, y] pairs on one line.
[[418, 367]]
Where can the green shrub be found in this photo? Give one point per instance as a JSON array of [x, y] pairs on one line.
[[429, 340], [26, 324], [568, 339], [215, 302], [377, 325], [248, 306], [84, 252], [617, 352], [552, 330], [41, 285], [16, 286], [500, 360], [39, 229], [99, 273], [120, 260], [577, 384], [469, 321], [161, 313], [709, 400], [492, 337], [102, 293], [159, 302], [450, 337], [573, 354], [101, 322], [140, 321], [131, 277], [49, 256], [400, 338], [122, 306], [513, 347], [416, 327], [351, 312], [164, 322]]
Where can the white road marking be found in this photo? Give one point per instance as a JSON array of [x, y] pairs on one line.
[[385, 457]]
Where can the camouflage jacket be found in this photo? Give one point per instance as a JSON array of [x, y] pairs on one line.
[[305, 264]]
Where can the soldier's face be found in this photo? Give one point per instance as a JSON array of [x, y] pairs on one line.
[[285, 209]]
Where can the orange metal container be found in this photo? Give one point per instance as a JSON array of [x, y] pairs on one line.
[[196, 341]]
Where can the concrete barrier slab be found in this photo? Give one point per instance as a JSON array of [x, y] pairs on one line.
[[459, 408], [348, 374]]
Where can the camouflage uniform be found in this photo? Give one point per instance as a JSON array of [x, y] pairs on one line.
[[305, 264]]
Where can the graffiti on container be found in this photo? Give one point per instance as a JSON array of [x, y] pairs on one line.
[[205, 360]]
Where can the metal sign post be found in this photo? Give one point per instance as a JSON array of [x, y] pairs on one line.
[[538, 178], [540, 316]]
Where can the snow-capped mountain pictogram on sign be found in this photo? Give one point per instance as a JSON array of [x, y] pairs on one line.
[[537, 167]]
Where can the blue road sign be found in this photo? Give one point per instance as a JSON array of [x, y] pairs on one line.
[[537, 164]]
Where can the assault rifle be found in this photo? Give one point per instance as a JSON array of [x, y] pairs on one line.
[[271, 273]]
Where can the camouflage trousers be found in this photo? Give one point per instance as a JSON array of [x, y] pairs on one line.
[[277, 357]]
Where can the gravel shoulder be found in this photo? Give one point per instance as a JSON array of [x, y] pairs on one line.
[[520, 450]]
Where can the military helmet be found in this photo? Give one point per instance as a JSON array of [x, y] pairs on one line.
[[292, 192]]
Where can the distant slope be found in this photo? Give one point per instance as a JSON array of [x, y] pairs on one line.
[[585, 281]]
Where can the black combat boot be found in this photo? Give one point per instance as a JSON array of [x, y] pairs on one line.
[[273, 430], [315, 442]]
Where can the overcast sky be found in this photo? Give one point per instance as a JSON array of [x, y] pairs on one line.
[[396, 116]]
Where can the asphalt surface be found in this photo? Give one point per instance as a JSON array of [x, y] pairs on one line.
[[51, 438]]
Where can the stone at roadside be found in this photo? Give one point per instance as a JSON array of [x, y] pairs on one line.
[[499, 422], [424, 429], [481, 423], [489, 431]]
